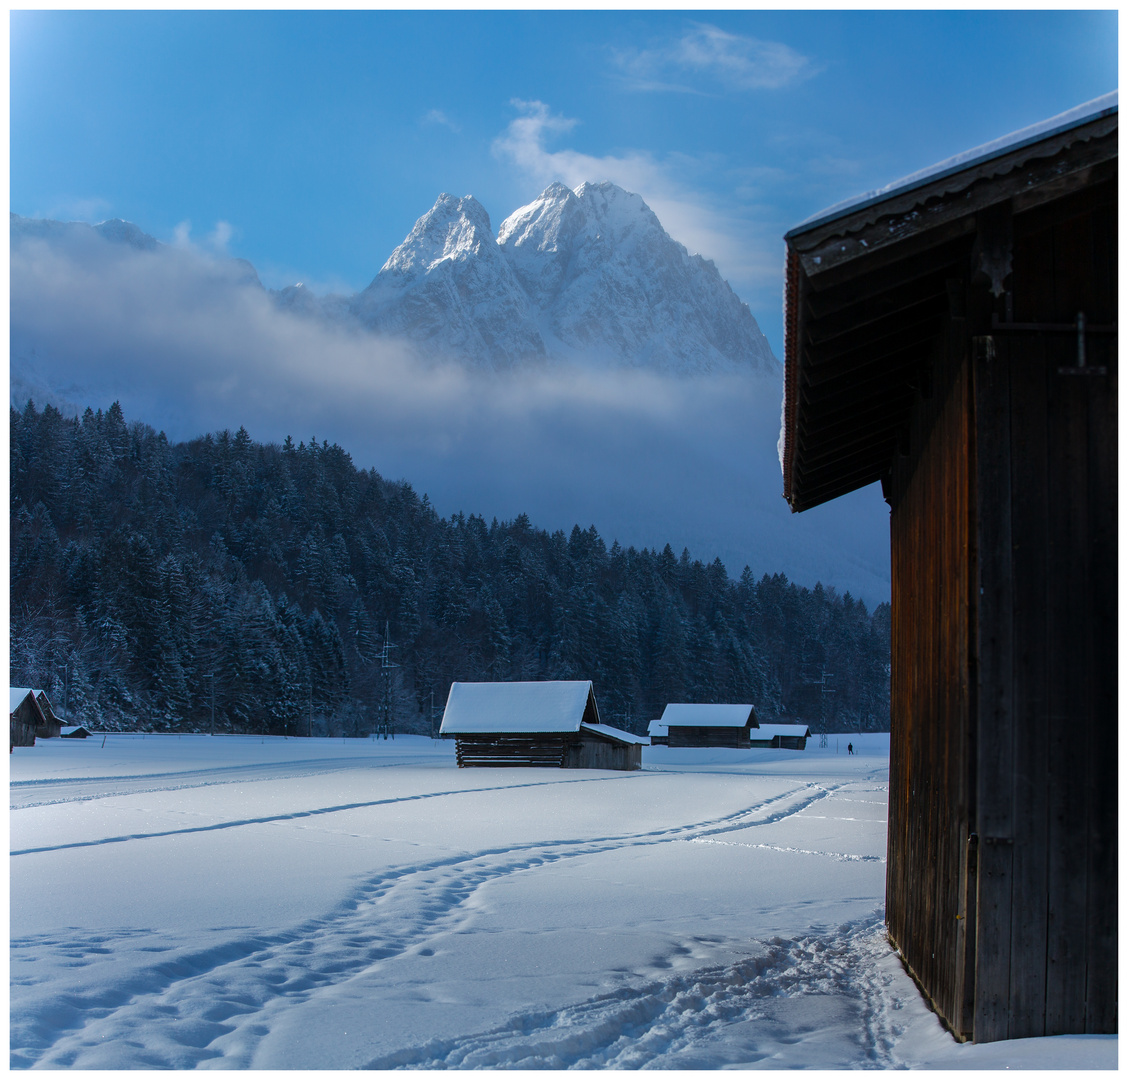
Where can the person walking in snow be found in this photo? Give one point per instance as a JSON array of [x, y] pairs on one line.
[[849, 748]]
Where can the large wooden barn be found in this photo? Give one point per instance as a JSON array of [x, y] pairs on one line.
[[709, 725], [553, 724], [954, 337]]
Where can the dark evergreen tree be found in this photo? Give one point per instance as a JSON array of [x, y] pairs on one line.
[[157, 583]]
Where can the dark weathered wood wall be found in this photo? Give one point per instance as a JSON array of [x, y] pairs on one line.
[[592, 752], [554, 751], [709, 736], [1047, 774], [929, 893], [22, 725], [1002, 872], [510, 750]]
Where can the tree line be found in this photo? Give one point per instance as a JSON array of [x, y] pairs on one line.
[[223, 584]]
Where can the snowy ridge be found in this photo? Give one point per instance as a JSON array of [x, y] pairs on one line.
[[447, 286], [610, 282], [587, 276]]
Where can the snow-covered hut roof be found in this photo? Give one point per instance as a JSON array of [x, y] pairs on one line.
[[617, 734], [530, 707], [785, 731], [709, 716], [656, 727], [16, 694], [968, 159]]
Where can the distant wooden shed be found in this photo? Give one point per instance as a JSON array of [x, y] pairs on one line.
[[74, 731], [553, 724], [709, 725], [51, 725], [25, 716], [658, 733], [781, 737], [954, 337]]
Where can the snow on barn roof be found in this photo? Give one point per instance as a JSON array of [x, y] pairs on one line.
[[1082, 114], [534, 707], [16, 694], [617, 734], [709, 716], [656, 727], [770, 731]]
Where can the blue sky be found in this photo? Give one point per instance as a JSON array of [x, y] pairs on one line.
[[309, 143]]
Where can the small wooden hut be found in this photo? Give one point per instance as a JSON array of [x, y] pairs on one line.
[[25, 716], [51, 726], [658, 733], [709, 725], [781, 737], [953, 336], [552, 724]]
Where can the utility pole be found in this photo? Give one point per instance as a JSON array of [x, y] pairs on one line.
[[384, 723], [211, 681], [825, 691]]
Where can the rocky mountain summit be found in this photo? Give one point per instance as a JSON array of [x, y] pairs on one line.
[[450, 286], [588, 275]]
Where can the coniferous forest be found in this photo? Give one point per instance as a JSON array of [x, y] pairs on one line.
[[223, 584]]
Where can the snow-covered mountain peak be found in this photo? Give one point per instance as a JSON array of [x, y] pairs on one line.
[[610, 284], [454, 228], [449, 287]]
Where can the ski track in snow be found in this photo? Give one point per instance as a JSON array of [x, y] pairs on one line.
[[211, 1006], [25, 794], [669, 1024]]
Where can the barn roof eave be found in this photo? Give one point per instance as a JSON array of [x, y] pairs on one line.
[[915, 225], [1071, 120]]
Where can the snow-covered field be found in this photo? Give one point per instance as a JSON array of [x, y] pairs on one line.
[[238, 902]]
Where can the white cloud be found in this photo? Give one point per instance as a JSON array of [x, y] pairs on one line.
[[220, 237], [708, 57], [437, 116], [705, 224]]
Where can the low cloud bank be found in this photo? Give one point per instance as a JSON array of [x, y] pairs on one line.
[[188, 346]]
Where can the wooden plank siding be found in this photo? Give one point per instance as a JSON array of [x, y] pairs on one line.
[[928, 890], [709, 736], [500, 750], [1047, 742], [553, 751]]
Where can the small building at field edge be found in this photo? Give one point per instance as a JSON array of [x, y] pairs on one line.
[[548, 724], [709, 725], [781, 737]]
